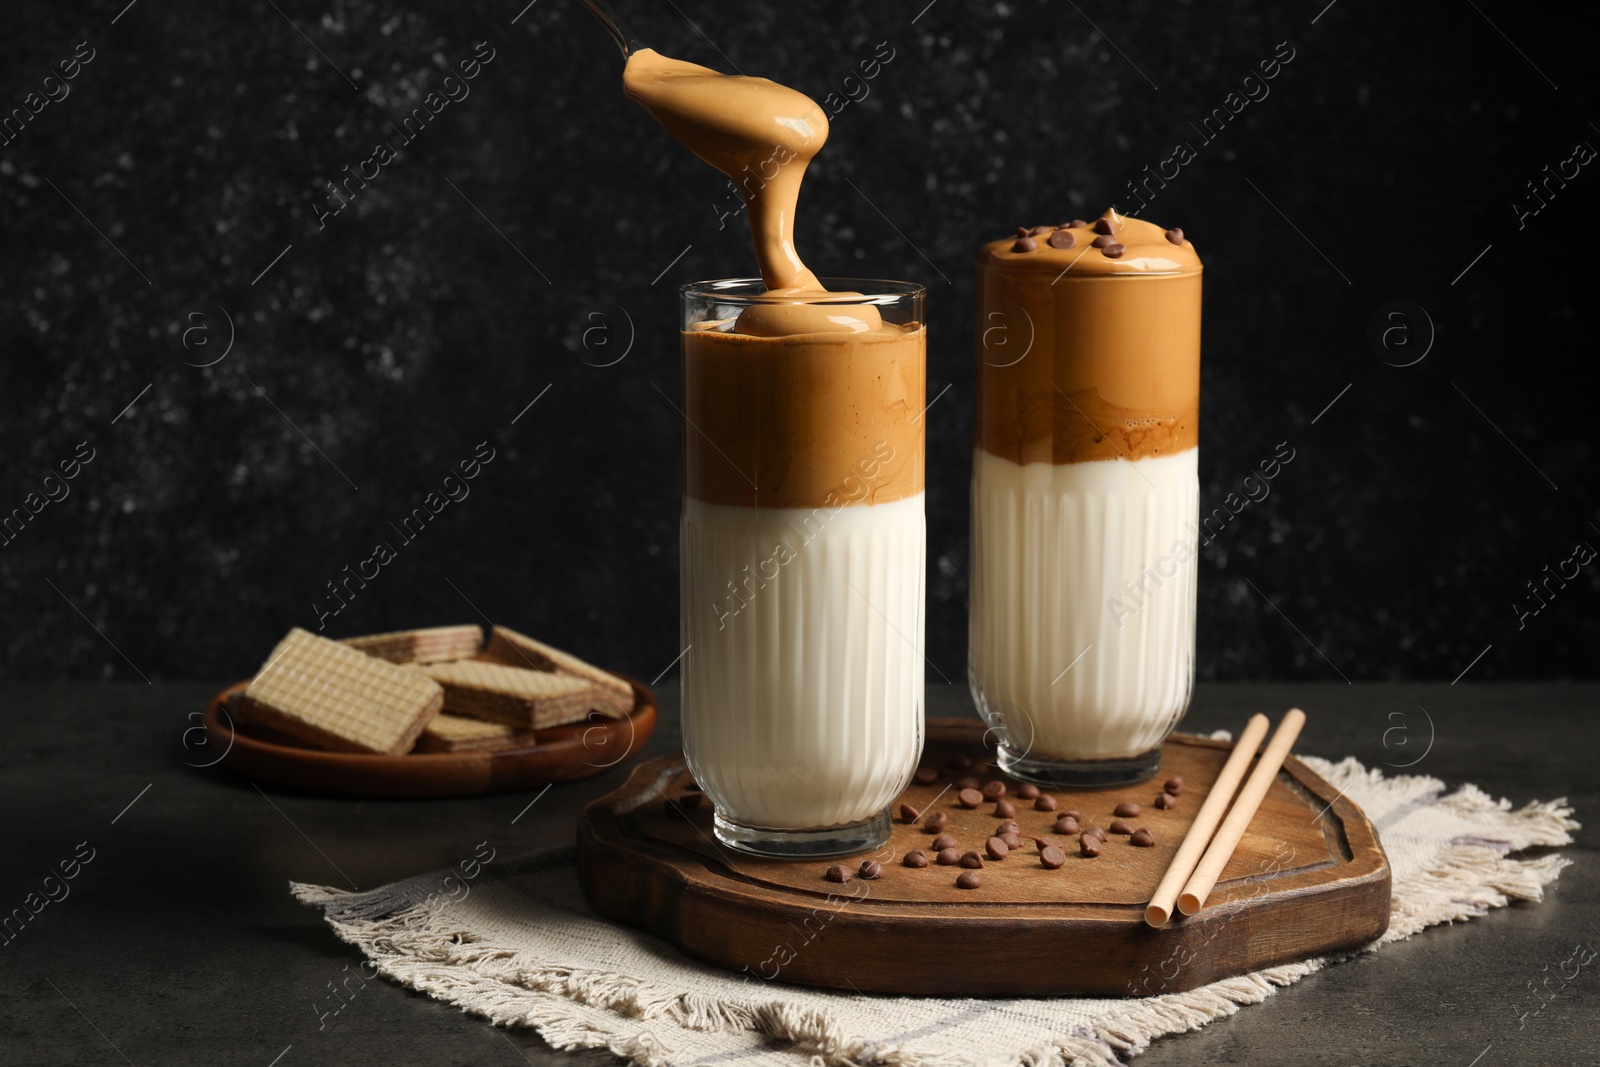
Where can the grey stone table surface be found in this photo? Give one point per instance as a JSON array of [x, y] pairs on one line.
[[178, 943]]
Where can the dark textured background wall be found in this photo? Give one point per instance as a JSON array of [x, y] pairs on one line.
[[369, 356]]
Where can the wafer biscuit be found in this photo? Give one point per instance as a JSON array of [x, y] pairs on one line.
[[614, 696], [328, 695], [457, 733], [433, 645], [526, 699]]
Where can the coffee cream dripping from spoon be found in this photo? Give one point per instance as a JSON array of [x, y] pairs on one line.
[[762, 135]]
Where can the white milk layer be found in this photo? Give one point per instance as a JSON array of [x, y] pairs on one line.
[[802, 686], [1081, 629]]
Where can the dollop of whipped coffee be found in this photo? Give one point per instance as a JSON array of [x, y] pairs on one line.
[[763, 136]]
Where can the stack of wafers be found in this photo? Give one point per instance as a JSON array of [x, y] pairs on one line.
[[440, 689]]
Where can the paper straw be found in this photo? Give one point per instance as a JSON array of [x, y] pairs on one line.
[[1205, 823], [1244, 809]]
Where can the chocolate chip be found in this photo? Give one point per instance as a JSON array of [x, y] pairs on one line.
[[1077, 224], [1025, 244], [1120, 827], [969, 782], [1089, 845], [971, 860], [1142, 837], [1174, 786], [1012, 840], [1062, 239], [1041, 842], [961, 762], [1113, 251], [994, 790], [935, 822], [690, 801], [944, 841], [870, 869], [1104, 241], [838, 873], [1046, 802], [1007, 827], [1040, 231], [1097, 832], [915, 858], [1067, 825], [969, 798], [1023, 231], [1072, 813], [949, 857], [1175, 235], [1052, 857], [925, 776], [1103, 225], [996, 848], [969, 880], [1028, 791], [909, 814], [1127, 809], [1005, 809], [1165, 801]]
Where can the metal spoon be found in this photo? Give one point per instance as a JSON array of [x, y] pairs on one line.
[[625, 39]]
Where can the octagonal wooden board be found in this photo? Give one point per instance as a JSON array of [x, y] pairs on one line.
[[1309, 878]]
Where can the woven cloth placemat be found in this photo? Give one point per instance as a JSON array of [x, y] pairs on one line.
[[512, 940]]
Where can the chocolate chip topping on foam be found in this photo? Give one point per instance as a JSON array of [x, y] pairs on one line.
[[1092, 247]]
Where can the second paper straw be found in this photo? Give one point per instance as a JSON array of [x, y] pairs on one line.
[[1244, 809], [1206, 821]]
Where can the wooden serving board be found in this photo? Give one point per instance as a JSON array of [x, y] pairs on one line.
[[562, 754], [1309, 878]]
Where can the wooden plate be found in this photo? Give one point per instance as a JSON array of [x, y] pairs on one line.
[[1309, 878], [563, 754]]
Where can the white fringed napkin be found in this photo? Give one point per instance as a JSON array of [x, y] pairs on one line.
[[517, 945]]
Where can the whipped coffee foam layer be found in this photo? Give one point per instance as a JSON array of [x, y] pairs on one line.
[[762, 135], [811, 420], [1081, 356], [807, 399]]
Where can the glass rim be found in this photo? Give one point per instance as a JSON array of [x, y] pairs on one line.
[[751, 291]]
